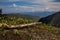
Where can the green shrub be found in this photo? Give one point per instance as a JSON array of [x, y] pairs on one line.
[[16, 32], [14, 20], [2, 31]]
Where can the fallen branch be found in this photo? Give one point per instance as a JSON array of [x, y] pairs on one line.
[[18, 26]]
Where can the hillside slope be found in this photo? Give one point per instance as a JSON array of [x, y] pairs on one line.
[[39, 31], [29, 17], [52, 19], [34, 32]]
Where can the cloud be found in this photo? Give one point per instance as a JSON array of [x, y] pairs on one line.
[[17, 8], [14, 5], [28, 8], [14, 0], [41, 1], [34, 1], [36, 5], [9, 0]]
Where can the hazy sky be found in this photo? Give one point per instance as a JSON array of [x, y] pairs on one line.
[[29, 5]]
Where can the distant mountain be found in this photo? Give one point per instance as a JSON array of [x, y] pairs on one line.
[[29, 17], [52, 19], [35, 16], [40, 14]]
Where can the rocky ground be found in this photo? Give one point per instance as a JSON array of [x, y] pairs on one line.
[[33, 32]]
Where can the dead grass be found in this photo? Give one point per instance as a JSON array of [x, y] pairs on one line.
[[33, 32]]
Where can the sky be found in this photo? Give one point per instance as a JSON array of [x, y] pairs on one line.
[[17, 6]]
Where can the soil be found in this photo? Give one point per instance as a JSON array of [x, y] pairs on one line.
[[32, 33]]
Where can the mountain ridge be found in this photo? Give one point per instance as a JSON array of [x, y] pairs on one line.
[[51, 19], [29, 17]]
